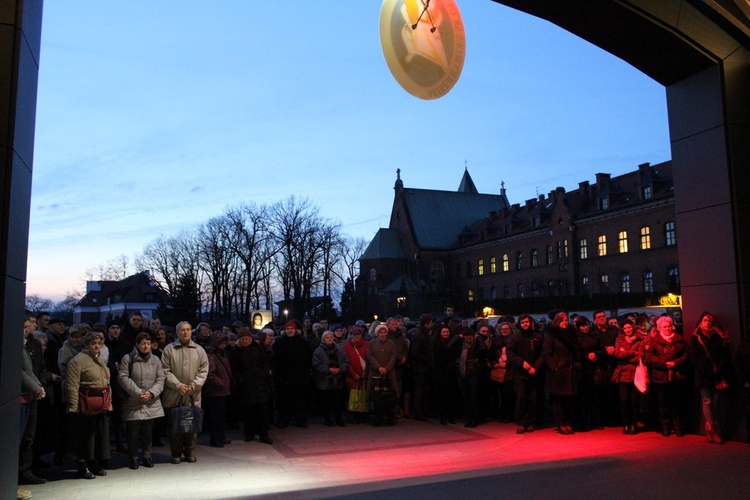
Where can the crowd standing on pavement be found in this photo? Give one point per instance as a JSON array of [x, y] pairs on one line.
[[568, 374]]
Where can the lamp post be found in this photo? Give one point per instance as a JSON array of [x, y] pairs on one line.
[[286, 315]]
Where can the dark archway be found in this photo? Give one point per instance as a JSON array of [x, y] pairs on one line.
[[700, 52]]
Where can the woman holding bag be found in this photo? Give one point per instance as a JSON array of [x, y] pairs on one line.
[[356, 351], [628, 352], [88, 396]]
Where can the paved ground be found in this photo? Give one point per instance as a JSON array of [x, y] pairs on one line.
[[428, 460]]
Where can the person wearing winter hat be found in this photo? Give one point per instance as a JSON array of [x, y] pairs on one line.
[[216, 391], [251, 373]]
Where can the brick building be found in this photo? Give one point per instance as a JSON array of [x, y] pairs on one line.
[[607, 244]]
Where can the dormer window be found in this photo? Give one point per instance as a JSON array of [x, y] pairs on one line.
[[603, 203], [536, 221], [646, 192]]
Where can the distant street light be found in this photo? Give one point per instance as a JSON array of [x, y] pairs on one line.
[[286, 315]]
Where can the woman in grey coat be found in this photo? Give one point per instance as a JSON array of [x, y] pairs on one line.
[[142, 377]]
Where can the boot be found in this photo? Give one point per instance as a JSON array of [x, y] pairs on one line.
[[709, 433], [717, 435], [84, 472]]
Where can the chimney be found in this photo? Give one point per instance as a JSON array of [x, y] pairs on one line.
[[585, 189], [602, 181]]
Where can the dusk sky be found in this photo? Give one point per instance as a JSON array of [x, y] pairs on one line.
[[153, 116]]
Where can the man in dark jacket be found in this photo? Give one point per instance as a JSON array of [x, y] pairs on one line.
[[293, 359], [525, 357]]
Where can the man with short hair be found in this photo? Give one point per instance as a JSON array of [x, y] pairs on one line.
[[133, 327], [42, 321], [154, 325], [185, 366]]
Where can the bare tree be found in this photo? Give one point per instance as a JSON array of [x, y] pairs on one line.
[[252, 243], [304, 239], [37, 304]]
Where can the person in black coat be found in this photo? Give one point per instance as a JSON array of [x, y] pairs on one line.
[[526, 363], [251, 389], [562, 356], [293, 360], [471, 367], [444, 354]]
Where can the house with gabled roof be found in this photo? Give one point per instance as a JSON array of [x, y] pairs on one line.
[[106, 300], [605, 242]]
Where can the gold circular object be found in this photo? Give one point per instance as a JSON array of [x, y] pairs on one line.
[[424, 44]]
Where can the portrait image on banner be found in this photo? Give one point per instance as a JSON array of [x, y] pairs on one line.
[[260, 318]]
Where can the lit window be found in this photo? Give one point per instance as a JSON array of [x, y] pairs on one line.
[[645, 238], [669, 234], [471, 295], [506, 262], [602, 246], [583, 249], [480, 267], [565, 249], [493, 265], [623, 241]]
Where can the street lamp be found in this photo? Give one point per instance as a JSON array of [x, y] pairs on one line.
[[286, 315]]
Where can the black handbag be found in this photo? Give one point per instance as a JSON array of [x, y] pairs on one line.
[[383, 394], [186, 419]]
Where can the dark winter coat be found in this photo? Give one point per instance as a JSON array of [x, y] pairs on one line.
[[251, 375], [293, 359], [562, 356], [327, 357], [525, 345], [627, 355], [659, 352], [712, 360]]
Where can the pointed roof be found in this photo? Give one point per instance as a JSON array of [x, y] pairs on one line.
[[385, 245], [438, 217], [467, 184]]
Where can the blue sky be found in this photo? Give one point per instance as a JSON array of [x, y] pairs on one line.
[[153, 116]]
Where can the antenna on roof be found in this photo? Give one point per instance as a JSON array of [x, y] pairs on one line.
[[466, 165]]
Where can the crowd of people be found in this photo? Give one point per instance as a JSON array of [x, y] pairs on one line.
[[87, 389]]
